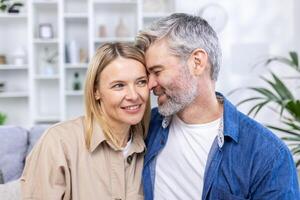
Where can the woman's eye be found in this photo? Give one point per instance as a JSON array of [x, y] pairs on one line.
[[142, 82]]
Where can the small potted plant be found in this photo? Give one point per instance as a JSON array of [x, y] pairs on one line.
[[4, 5], [2, 118], [10, 6], [49, 61]]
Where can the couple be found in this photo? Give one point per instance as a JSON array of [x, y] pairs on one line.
[[196, 145]]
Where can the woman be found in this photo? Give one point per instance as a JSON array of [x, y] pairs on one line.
[[100, 155]]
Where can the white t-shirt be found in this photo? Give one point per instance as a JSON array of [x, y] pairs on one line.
[[181, 164], [125, 150]]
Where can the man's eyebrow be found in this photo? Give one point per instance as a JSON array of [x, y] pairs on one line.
[[152, 68]]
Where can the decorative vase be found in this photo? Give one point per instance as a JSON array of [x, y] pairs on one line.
[[48, 69], [2, 86], [121, 29], [73, 52], [45, 31], [2, 59], [76, 83], [102, 31], [19, 56]]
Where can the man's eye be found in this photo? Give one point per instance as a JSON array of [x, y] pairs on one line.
[[156, 73], [118, 85], [142, 82]]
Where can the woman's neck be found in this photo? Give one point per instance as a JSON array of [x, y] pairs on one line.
[[121, 134]]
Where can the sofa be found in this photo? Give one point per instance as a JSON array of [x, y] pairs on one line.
[[15, 144]]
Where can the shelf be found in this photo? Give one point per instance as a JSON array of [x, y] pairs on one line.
[[74, 93], [114, 39], [45, 41], [13, 94], [46, 119], [155, 15], [115, 2], [13, 15], [44, 2], [76, 15], [13, 67], [47, 77], [76, 66]]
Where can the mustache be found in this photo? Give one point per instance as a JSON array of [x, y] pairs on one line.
[[161, 91], [158, 91]]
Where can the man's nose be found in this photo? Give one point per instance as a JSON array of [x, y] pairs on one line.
[[152, 82]]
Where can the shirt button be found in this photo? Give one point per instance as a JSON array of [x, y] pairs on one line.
[[129, 159]]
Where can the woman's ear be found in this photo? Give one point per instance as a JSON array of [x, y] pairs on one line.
[[97, 95], [198, 61]]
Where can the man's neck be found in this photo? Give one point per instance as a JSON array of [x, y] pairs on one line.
[[205, 108]]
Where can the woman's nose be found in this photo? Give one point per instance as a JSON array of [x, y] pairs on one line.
[[132, 94]]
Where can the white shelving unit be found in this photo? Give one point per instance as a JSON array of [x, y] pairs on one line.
[[42, 89], [14, 98]]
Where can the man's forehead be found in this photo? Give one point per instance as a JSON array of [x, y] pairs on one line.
[[159, 44], [156, 49]]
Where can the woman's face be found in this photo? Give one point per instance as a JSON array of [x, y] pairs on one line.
[[123, 91]]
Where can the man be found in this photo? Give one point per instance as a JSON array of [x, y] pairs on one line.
[[198, 143]]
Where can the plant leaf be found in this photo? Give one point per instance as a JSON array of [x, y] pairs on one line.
[[295, 61], [267, 93], [249, 99], [286, 131], [293, 107], [296, 150], [297, 162], [291, 138], [257, 108], [281, 89]]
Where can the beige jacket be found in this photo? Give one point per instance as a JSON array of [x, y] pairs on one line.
[[60, 166]]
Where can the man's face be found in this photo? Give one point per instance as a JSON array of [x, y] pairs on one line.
[[170, 79]]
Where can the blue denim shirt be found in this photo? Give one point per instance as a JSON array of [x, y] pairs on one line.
[[252, 163]]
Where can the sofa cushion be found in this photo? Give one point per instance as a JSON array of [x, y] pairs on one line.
[[13, 150], [11, 190], [34, 134], [1, 177]]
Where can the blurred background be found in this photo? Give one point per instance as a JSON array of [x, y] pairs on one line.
[[45, 46]]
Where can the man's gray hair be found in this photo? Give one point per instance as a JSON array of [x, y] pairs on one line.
[[184, 34]]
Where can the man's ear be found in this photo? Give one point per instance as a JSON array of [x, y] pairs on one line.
[[198, 61]]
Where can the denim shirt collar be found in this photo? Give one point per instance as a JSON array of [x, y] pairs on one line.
[[230, 117], [230, 123]]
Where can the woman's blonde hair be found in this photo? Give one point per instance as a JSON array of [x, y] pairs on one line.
[[104, 55]]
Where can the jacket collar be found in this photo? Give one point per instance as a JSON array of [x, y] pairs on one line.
[[98, 138]]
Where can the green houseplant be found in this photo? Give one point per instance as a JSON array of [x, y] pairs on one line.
[[277, 96], [2, 118], [3, 5]]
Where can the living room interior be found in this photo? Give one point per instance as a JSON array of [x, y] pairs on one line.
[[46, 45]]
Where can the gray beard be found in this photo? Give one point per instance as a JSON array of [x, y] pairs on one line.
[[177, 101]]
